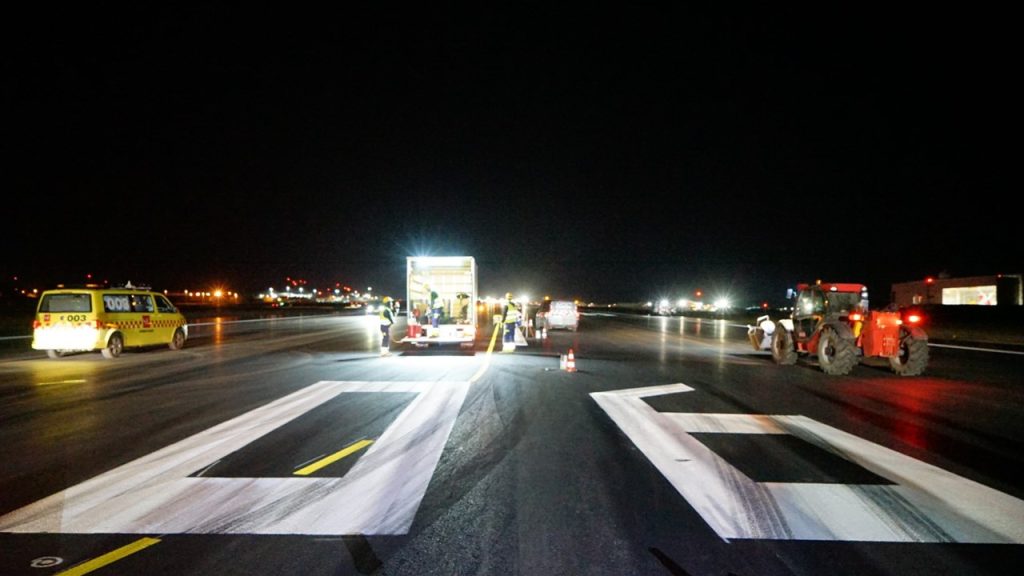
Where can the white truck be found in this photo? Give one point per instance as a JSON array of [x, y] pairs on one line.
[[453, 278]]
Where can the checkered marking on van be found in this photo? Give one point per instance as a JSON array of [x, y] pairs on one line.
[[145, 322]]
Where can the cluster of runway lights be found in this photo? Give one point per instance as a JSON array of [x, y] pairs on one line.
[[664, 306]]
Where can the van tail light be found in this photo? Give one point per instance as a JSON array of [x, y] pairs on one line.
[[914, 319], [36, 324], [856, 317]]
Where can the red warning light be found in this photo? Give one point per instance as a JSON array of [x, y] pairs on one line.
[[929, 280]]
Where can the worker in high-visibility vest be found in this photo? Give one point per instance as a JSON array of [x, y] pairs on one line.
[[435, 305], [387, 318], [510, 317]]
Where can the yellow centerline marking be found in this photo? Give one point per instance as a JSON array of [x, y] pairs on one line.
[[109, 557], [307, 470], [487, 359]]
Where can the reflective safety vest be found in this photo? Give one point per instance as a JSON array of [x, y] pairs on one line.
[[511, 313], [387, 317]]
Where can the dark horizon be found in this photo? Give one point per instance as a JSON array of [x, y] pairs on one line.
[[606, 154]]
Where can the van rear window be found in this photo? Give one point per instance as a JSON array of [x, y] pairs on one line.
[[66, 303]]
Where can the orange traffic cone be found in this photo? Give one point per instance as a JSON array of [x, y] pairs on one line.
[[570, 362]]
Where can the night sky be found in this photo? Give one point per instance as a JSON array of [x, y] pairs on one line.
[[622, 153]]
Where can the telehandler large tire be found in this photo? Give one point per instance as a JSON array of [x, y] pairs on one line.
[[913, 356], [836, 355], [782, 346]]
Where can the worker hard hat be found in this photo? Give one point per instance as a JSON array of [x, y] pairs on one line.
[[508, 296], [387, 299]]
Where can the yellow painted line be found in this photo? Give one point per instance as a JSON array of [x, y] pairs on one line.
[[109, 557], [494, 337], [487, 359], [351, 448]]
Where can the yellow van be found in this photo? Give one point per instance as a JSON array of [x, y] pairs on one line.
[[105, 319]]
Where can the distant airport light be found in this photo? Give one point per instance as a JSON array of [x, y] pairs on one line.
[[722, 303]]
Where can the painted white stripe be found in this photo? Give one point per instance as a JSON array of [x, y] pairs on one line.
[[926, 504], [726, 423], [930, 344], [975, 349], [154, 494]]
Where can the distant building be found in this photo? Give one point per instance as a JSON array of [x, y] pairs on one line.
[[1001, 290]]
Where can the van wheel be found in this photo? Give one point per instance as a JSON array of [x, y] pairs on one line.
[[114, 346], [177, 341], [55, 353]]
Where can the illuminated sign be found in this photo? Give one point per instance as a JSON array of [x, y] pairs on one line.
[[972, 295]]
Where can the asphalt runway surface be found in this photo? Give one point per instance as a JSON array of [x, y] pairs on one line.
[[289, 446]]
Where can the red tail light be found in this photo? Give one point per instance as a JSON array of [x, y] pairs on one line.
[[914, 319], [36, 324]]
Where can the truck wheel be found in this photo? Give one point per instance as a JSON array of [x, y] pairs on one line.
[[177, 341], [55, 353], [913, 356], [782, 347], [836, 355], [114, 347]]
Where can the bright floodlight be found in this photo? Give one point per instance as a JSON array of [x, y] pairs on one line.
[[722, 303]]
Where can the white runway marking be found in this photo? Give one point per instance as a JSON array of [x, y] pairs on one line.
[[926, 504], [154, 495]]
